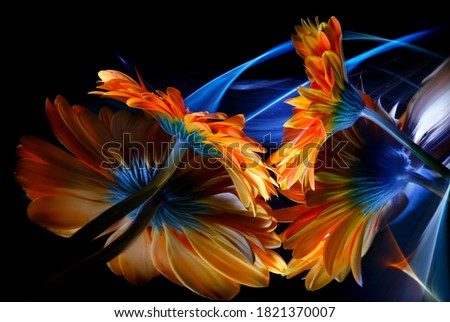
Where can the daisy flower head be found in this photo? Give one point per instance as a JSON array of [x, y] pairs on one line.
[[209, 134], [112, 179], [361, 176], [329, 104]]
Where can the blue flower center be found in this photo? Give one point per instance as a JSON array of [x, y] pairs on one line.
[[378, 174], [195, 140], [349, 109], [177, 205]]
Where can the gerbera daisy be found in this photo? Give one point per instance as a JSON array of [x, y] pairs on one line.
[[185, 222], [209, 134], [360, 179], [330, 104]]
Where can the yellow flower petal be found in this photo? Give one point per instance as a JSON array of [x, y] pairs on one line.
[[135, 262], [195, 273], [64, 215]]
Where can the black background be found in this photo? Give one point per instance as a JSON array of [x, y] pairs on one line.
[[59, 50]]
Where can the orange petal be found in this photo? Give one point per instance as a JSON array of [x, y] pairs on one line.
[[317, 278], [306, 239], [119, 124], [62, 214], [356, 254], [65, 123], [243, 188], [110, 74], [304, 263], [105, 116], [40, 180], [160, 257], [340, 244], [230, 239], [274, 262], [94, 133], [323, 42], [223, 255], [195, 273], [46, 153], [135, 261], [179, 109], [226, 201]]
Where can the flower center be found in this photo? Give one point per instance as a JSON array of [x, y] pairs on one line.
[[177, 205], [195, 139], [348, 109], [378, 174]]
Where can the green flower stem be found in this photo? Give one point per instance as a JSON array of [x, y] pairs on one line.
[[420, 180], [143, 199], [109, 217], [112, 250], [407, 142]]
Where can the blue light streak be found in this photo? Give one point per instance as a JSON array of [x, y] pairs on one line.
[[352, 63], [211, 94]]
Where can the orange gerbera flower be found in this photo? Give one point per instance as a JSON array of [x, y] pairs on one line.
[[360, 176], [194, 229], [209, 134], [327, 106], [357, 190]]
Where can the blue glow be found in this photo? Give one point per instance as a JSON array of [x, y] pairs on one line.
[[176, 205], [208, 97], [404, 41], [277, 100], [129, 179], [132, 71], [429, 262], [178, 210], [402, 79], [349, 109], [389, 45], [352, 63], [378, 174], [176, 127]]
